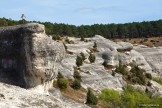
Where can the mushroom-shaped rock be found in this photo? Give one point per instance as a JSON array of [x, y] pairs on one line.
[[111, 57]]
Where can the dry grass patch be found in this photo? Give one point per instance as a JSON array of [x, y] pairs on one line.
[[108, 67], [76, 95], [152, 41], [101, 104]]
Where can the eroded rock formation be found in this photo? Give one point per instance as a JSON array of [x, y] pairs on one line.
[[94, 75], [28, 57]]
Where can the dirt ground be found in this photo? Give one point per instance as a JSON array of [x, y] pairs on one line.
[[151, 42]]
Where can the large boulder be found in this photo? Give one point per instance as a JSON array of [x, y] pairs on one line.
[[28, 52], [125, 46]]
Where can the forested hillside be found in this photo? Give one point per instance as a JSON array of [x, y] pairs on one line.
[[128, 30]]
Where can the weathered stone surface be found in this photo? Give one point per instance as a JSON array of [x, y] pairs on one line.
[[111, 57], [94, 75], [28, 52], [38, 59], [16, 97], [105, 44], [155, 89], [125, 45], [97, 78], [153, 57]]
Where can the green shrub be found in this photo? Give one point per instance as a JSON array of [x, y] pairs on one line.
[[82, 38], [130, 98], [95, 45], [113, 73], [121, 69], [83, 56], [79, 61], [59, 75], [91, 98], [104, 63], [111, 97], [133, 98], [148, 75], [62, 83], [138, 75], [76, 84], [77, 75], [56, 37], [156, 101], [92, 58]]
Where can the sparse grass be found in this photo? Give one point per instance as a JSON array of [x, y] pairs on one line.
[[76, 95], [131, 98], [112, 97], [102, 104]]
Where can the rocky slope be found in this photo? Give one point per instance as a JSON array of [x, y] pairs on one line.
[[27, 53], [94, 75], [37, 59]]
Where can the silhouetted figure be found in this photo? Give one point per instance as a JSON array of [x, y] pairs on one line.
[[23, 18]]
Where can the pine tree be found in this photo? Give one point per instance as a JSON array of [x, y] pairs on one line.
[[83, 56], [95, 45], [92, 58], [77, 75], [62, 83], [59, 75], [91, 98], [79, 61], [76, 84], [82, 38], [104, 63]]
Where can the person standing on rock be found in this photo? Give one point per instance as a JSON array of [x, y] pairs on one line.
[[23, 18]]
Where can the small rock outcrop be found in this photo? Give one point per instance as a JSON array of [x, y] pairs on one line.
[[28, 57]]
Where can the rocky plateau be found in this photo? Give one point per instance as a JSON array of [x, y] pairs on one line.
[[30, 61]]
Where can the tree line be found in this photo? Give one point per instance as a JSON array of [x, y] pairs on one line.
[[127, 30]]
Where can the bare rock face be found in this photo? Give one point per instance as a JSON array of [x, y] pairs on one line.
[[153, 56], [94, 75], [28, 57]]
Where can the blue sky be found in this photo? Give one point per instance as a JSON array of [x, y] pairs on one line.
[[85, 12]]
